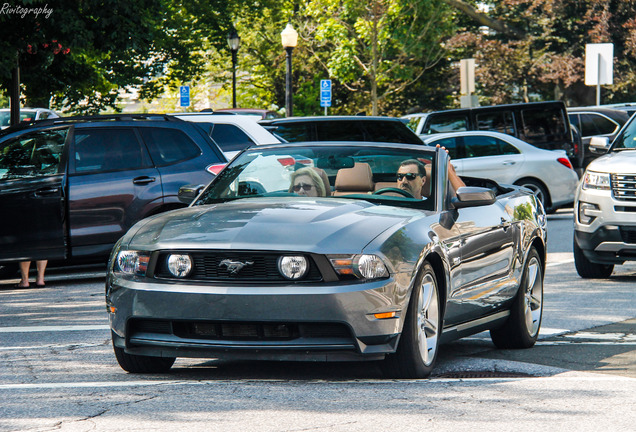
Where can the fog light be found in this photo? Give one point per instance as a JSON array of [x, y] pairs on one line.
[[180, 265], [293, 267], [586, 212]]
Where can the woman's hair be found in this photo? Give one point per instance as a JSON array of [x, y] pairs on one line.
[[315, 179]]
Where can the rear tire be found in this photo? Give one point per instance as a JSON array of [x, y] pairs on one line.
[[522, 328], [419, 342], [586, 268], [142, 364]]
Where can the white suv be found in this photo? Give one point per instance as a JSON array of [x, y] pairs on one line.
[[605, 207], [232, 133]]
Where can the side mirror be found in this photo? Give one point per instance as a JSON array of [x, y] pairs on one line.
[[472, 196], [188, 193], [599, 144]]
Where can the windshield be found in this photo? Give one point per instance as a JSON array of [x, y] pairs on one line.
[[330, 171], [626, 140]]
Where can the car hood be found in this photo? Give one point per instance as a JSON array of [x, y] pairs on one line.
[[615, 162], [321, 225]]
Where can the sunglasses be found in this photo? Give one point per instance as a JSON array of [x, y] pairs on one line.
[[408, 176], [306, 187]]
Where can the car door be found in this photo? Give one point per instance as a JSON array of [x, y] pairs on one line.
[[487, 260], [489, 157], [181, 158], [112, 185], [32, 177]]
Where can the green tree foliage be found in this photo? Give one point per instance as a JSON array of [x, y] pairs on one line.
[[537, 48], [377, 48], [80, 54]]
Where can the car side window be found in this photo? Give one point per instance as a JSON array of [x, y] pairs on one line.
[[108, 149], [594, 124], [479, 146], [451, 145], [34, 154], [447, 123], [293, 132], [169, 146], [230, 137], [496, 121], [545, 124]]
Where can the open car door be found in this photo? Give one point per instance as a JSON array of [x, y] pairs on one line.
[[32, 176]]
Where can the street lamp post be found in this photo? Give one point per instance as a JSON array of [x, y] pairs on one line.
[[289, 38], [233, 40]]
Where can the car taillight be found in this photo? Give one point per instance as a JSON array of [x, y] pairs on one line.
[[565, 162], [215, 168], [287, 161]]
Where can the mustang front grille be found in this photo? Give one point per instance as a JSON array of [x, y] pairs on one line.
[[258, 266], [624, 187]]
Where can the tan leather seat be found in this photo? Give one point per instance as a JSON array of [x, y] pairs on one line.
[[358, 179], [426, 187]]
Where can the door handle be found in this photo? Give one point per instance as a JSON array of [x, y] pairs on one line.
[[42, 192], [509, 163], [144, 180]]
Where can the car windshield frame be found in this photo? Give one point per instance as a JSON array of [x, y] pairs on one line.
[[265, 172]]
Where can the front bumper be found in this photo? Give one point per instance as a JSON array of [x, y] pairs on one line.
[[610, 237], [316, 322]]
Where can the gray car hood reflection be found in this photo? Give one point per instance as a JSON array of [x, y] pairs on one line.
[[310, 225]]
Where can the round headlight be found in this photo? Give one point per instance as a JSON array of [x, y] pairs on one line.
[[370, 267], [293, 267], [180, 265]]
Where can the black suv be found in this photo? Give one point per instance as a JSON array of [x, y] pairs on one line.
[[341, 128], [72, 186]]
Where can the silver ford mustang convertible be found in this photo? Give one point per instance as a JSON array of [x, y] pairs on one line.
[[317, 252]]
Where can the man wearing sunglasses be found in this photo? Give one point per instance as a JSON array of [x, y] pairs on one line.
[[411, 176]]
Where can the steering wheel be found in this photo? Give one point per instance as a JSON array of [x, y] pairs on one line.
[[394, 190]]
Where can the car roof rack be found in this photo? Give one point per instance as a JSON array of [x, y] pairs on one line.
[[88, 118]]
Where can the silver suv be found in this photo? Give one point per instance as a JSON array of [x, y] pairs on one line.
[[605, 207]]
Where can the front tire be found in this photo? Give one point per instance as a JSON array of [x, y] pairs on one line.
[[419, 342], [586, 268], [522, 328], [142, 364]]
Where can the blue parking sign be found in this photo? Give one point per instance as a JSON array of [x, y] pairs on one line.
[[325, 93], [184, 93]]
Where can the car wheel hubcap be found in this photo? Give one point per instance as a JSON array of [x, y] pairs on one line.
[[533, 297], [428, 320]]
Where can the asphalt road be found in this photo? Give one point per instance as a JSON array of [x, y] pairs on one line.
[[59, 372]]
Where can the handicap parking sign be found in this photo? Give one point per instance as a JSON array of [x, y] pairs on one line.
[[325, 93], [184, 93]]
